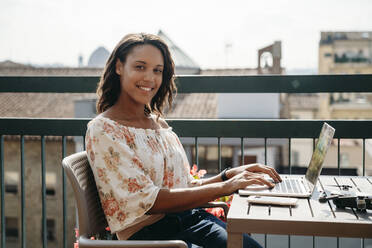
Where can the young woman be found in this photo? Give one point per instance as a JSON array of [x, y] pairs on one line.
[[139, 164]]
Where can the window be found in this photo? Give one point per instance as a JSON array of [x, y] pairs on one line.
[[50, 181], [11, 182], [295, 158], [344, 160], [51, 229], [11, 228]]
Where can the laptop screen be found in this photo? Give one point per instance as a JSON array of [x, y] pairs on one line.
[[324, 141]]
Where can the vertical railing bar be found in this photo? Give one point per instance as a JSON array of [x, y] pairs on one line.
[[265, 140], [313, 151], [289, 156], [23, 195], [76, 211], [64, 194], [364, 156], [338, 157], [364, 174], [219, 154], [43, 192], [339, 173], [242, 150], [3, 236], [313, 144], [290, 172], [265, 240], [313, 241], [196, 152], [265, 151]]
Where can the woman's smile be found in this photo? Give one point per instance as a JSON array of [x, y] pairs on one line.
[[145, 88]]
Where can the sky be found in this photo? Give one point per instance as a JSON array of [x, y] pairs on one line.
[[214, 33]]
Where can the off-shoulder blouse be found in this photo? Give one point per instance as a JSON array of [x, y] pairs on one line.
[[130, 166]]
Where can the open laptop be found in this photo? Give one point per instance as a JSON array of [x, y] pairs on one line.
[[295, 186]]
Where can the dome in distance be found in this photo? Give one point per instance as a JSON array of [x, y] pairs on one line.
[[98, 58]]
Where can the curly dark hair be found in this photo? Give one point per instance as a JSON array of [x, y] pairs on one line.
[[109, 88]]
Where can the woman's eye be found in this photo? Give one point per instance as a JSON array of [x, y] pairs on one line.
[[140, 67], [158, 70]]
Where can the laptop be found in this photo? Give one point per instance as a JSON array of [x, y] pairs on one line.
[[295, 186]]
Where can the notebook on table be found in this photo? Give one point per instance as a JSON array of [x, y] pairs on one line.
[[295, 186]]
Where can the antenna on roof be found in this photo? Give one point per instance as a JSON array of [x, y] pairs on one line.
[[228, 48]]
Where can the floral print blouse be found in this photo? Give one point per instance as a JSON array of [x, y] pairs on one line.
[[130, 166]]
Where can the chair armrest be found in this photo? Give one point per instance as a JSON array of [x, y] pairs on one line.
[[88, 243], [222, 205]]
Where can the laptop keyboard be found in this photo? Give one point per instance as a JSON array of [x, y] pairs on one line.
[[288, 185]]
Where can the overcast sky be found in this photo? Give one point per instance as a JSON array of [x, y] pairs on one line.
[[57, 31]]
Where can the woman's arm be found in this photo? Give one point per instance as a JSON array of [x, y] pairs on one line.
[[175, 200], [256, 168]]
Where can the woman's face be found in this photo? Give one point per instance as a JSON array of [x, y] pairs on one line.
[[141, 74]]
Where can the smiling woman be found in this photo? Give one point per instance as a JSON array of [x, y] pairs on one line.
[[134, 53], [140, 167]]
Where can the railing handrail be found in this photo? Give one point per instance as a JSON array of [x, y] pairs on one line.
[[202, 84], [274, 128]]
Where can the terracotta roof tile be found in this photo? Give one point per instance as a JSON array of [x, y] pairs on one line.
[[43, 105], [55, 105], [201, 105]]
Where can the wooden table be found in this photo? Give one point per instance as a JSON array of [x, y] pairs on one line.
[[309, 217]]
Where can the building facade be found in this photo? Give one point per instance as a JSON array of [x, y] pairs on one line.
[[40, 105], [339, 53], [345, 53], [33, 192]]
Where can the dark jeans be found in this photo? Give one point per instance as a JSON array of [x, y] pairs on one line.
[[196, 227]]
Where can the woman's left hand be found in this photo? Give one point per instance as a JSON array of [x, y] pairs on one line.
[[255, 168]]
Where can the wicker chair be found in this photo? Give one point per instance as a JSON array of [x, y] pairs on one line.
[[91, 218]]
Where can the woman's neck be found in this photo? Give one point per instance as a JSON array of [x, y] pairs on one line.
[[127, 114]]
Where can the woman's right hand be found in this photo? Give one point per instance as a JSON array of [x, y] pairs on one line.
[[246, 178]]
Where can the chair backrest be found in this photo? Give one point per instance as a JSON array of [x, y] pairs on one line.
[[91, 216]]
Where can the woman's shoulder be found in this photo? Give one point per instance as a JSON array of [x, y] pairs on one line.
[[96, 122], [161, 121], [101, 123]]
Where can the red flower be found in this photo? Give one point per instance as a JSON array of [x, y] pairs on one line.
[[110, 206], [218, 212], [197, 174], [168, 179], [137, 162], [133, 186], [121, 216], [129, 137]]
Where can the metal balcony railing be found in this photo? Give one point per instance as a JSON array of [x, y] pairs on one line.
[[218, 128]]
